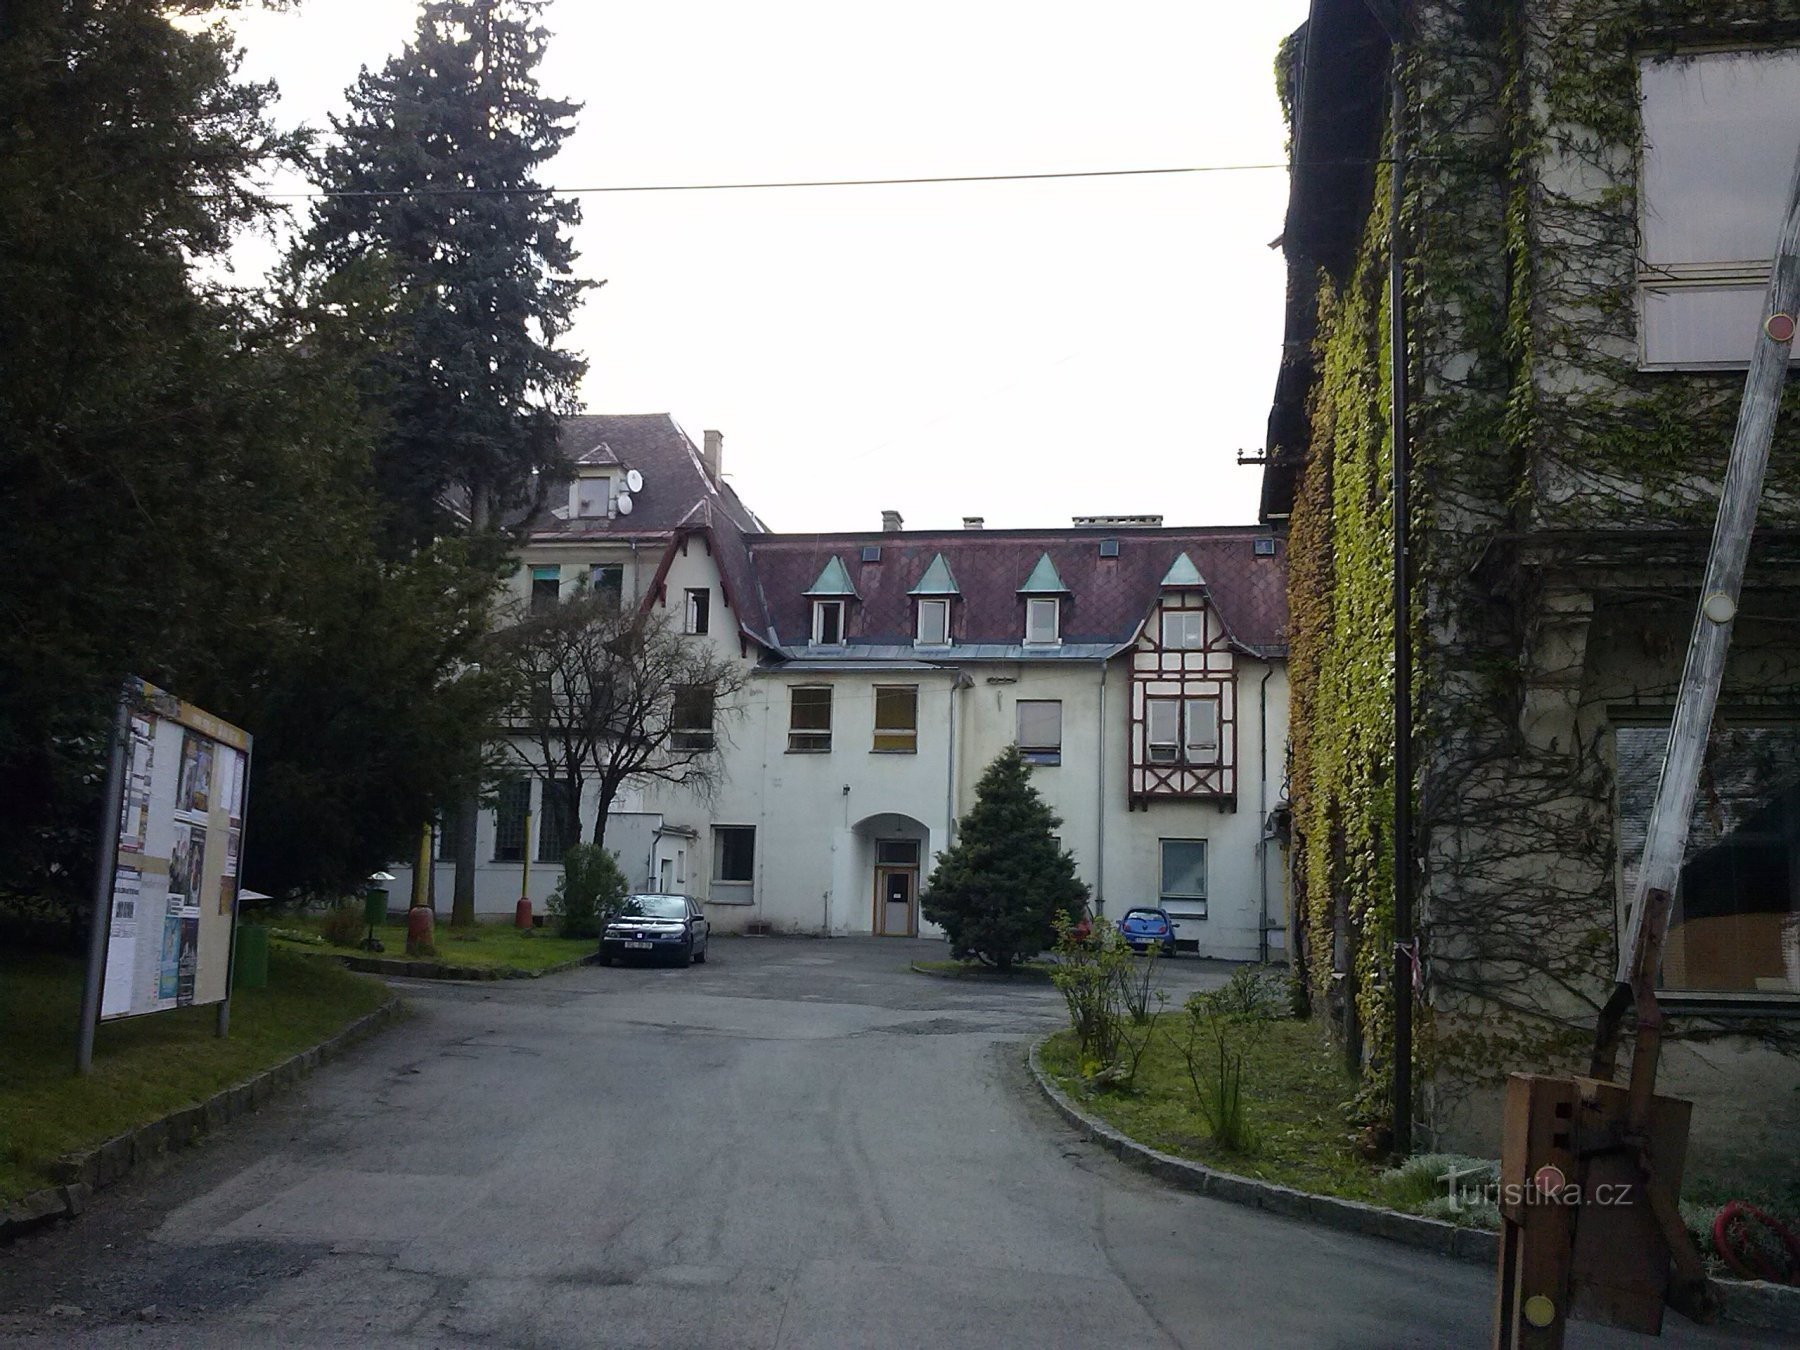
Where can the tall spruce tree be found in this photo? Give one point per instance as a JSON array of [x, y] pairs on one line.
[[434, 193], [998, 890], [185, 472]]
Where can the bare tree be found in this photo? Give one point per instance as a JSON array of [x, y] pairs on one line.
[[610, 697]]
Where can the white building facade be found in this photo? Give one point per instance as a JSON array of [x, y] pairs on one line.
[[1140, 669]]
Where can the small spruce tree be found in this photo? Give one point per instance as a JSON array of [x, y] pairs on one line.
[[998, 890]]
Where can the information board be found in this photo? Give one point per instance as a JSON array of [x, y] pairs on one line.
[[175, 870]]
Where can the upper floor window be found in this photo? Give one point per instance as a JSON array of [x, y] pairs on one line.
[[699, 609], [809, 720], [1719, 136], [546, 589], [934, 623], [897, 718], [1184, 629], [1043, 619], [608, 581], [1040, 730], [828, 623], [1182, 730], [691, 719]]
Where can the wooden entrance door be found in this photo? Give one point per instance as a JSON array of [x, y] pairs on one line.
[[897, 887]]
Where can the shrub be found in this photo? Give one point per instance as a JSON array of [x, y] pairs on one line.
[[1263, 993], [590, 894], [344, 925], [999, 890], [1108, 1001], [1218, 1029]]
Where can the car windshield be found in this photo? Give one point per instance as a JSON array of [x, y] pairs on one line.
[[656, 907]]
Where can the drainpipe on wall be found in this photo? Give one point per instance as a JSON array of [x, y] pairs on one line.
[[1100, 807], [960, 683], [1262, 817]]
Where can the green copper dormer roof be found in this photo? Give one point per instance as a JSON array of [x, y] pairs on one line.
[[833, 580], [937, 580], [1182, 572], [1043, 580]]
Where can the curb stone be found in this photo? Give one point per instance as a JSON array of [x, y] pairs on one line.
[[1754, 1303], [80, 1175], [444, 970], [982, 977]]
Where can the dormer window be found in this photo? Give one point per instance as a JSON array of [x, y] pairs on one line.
[[593, 495], [1043, 620], [828, 623], [934, 623]]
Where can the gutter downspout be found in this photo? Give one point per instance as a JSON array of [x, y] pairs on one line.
[[1262, 816], [957, 685], [1100, 807]]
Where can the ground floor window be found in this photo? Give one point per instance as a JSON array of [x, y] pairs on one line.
[[553, 822], [511, 807], [1184, 873], [734, 853], [1735, 927]]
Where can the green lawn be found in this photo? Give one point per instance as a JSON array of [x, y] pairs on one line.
[[144, 1067], [486, 945], [1294, 1091]]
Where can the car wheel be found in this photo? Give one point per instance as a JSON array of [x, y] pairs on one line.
[[700, 956], [685, 957], [605, 960]]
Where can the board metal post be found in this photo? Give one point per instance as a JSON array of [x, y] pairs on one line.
[[105, 867]]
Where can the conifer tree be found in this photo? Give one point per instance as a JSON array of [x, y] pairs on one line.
[[998, 890], [433, 176]]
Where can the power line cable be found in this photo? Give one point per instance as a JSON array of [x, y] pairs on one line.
[[804, 182]]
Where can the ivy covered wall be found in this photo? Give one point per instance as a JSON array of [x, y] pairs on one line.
[[1562, 499]]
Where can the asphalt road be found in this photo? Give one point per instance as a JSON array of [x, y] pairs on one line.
[[799, 1144]]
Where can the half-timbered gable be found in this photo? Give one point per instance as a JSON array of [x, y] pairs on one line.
[[1183, 697]]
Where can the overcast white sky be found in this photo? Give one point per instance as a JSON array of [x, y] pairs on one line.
[[1021, 351]]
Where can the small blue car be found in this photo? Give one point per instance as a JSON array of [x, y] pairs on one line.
[[1144, 928]]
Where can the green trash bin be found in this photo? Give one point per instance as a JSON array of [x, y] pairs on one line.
[[375, 906], [250, 969]]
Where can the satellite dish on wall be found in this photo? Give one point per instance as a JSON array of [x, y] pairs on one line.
[[634, 481], [624, 503]]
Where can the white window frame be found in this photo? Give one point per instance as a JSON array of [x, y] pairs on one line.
[[936, 607], [1034, 630], [691, 738], [1171, 741], [718, 858], [1213, 752], [1039, 752], [1186, 899], [809, 740], [909, 734], [1193, 629], [820, 608], [1698, 304], [694, 622]]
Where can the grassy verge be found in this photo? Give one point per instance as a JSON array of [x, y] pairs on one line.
[[486, 945], [144, 1067], [1294, 1090]]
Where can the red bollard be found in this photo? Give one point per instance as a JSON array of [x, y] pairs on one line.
[[522, 913], [421, 924]]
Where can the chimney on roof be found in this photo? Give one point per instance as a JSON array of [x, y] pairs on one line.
[[974, 522], [712, 452], [891, 522]]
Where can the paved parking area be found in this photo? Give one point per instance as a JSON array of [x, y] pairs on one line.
[[799, 1144]]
